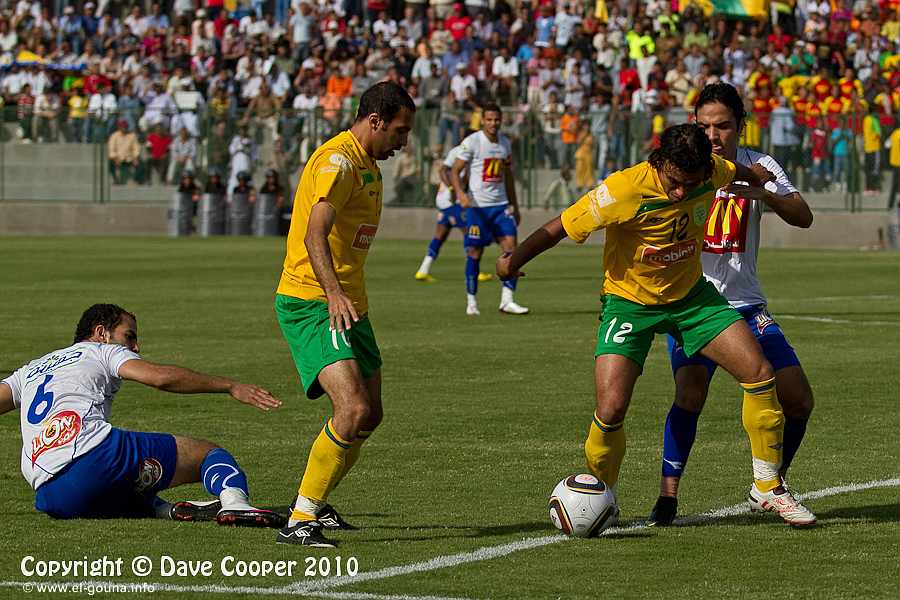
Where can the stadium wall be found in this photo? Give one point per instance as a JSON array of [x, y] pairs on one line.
[[830, 229]]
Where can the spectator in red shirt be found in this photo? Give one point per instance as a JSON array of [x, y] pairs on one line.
[[779, 38], [457, 23], [629, 81], [25, 111], [158, 143]]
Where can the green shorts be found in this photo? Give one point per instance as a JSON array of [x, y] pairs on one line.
[[628, 328], [314, 345]]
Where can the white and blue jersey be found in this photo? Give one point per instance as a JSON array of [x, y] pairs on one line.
[[489, 162], [450, 212], [65, 399], [79, 464], [730, 251]]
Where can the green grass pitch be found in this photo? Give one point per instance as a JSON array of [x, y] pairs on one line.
[[482, 417]]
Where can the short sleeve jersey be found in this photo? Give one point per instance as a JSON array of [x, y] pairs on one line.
[[731, 239], [444, 198], [65, 399], [487, 166], [652, 250], [342, 174]]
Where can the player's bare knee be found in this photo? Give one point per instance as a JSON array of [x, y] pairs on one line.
[[760, 371], [611, 412], [691, 397], [356, 415], [797, 405], [376, 414]]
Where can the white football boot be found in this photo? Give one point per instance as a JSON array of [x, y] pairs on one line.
[[472, 306], [508, 305], [783, 503]]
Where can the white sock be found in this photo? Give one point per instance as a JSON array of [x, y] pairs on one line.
[[506, 296], [471, 300], [305, 505], [426, 264], [234, 499]]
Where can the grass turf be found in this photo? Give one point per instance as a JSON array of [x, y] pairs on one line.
[[483, 416]]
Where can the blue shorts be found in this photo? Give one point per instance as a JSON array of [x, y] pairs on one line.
[[488, 224], [452, 217], [118, 478], [775, 345]]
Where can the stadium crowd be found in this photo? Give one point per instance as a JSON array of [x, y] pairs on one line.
[[257, 85]]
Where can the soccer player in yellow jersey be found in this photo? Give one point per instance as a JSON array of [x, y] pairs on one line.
[[654, 214], [321, 300]]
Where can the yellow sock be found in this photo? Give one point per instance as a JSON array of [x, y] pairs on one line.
[[353, 455], [324, 468], [605, 449], [764, 424]]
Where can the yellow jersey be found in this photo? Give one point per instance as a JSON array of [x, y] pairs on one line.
[[871, 134], [342, 174], [653, 245], [894, 157]]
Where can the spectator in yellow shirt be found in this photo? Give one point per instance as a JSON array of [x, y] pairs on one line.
[[124, 154], [872, 151], [893, 144], [77, 104]]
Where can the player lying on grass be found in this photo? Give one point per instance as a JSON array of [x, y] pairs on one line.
[[730, 249], [81, 466], [654, 214]]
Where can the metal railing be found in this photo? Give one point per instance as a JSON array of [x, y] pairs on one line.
[[67, 159]]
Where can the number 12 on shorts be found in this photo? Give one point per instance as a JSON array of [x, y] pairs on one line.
[[619, 336]]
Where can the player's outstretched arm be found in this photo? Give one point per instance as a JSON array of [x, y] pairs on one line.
[[6, 399], [544, 238], [341, 312], [179, 380]]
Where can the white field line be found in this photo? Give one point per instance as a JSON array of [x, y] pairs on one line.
[[838, 298], [316, 589], [490, 552], [834, 321]]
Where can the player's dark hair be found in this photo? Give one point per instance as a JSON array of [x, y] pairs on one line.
[[385, 99], [108, 315], [491, 107], [726, 95], [685, 147]]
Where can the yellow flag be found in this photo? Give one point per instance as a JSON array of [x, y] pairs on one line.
[[600, 12]]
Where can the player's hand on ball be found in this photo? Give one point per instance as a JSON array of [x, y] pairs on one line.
[[341, 312], [504, 271], [254, 396]]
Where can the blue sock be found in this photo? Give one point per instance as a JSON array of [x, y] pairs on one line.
[[472, 267], [434, 247], [219, 471], [794, 430], [680, 432], [511, 283]]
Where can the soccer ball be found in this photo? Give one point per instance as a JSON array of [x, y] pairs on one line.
[[583, 506]]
